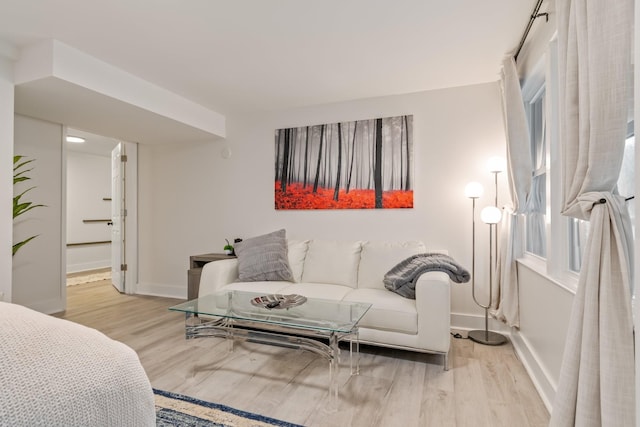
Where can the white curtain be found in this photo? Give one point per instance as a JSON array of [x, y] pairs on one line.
[[505, 300], [596, 386]]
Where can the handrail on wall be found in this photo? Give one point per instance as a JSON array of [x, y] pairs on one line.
[[89, 243]]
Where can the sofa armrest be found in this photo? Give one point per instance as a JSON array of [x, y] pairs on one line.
[[217, 274], [433, 302]]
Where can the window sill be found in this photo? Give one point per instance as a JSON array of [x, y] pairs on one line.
[[568, 281]]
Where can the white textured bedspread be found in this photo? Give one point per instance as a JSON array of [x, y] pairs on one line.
[[58, 373]]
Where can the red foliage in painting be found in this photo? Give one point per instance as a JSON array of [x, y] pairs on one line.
[[297, 197]]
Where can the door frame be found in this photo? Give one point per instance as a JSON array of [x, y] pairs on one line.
[[118, 216], [131, 228]]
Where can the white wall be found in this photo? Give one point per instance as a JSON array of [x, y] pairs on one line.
[[88, 183], [191, 198], [545, 307], [6, 187], [38, 268]]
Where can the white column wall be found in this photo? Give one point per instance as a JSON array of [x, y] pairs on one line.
[[38, 268], [6, 176]]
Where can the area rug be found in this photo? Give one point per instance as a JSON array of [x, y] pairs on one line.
[[174, 409], [88, 278]]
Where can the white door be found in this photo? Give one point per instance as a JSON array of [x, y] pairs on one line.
[[118, 214]]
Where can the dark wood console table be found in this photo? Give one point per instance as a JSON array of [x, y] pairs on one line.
[[196, 262]]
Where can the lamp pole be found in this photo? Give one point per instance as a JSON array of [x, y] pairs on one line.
[[473, 190]]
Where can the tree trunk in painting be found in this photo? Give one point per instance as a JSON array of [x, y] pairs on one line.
[[336, 192], [315, 184], [306, 158], [285, 162], [407, 182], [401, 159], [353, 156], [377, 179], [278, 149]]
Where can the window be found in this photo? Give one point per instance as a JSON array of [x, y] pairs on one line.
[[536, 239], [545, 228], [554, 244]]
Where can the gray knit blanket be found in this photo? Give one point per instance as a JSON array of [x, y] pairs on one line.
[[402, 278]]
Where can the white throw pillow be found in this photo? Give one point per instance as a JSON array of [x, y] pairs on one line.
[[378, 258], [297, 254], [332, 262]]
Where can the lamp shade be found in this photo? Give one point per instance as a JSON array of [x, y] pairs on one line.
[[490, 215], [496, 164], [473, 190]]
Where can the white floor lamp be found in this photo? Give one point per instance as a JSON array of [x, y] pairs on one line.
[[489, 215]]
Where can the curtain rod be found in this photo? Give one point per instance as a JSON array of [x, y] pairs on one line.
[[535, 14]]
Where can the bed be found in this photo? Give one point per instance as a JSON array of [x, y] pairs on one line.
[[55, 372]]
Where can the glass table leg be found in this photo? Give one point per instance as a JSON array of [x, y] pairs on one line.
[[333, 366], [354, 353]]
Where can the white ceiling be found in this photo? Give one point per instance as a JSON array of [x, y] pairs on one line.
[[250, 55], [97, 145]]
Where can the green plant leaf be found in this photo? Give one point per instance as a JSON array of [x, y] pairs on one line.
[[22, 208], [19, 208], [17, 179], [18, 175], [18, 245], [16, 159], [17, 196]]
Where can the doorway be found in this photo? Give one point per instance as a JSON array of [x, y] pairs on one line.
[[101, 210]]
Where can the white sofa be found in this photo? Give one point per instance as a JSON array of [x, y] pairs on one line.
[[354, 271]]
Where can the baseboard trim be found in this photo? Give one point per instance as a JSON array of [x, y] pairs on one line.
[[541, 379], [160, 290], [469, 322], [88, 266]]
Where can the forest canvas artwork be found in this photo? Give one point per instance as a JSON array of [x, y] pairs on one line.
[[364, 164]]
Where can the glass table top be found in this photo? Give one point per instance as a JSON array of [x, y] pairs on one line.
[[312, 313]]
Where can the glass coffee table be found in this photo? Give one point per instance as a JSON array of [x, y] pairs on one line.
[[293, 321]]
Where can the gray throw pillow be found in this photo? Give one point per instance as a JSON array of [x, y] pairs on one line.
[[264, 258]]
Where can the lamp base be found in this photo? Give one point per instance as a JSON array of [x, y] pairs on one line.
[[487, 337]]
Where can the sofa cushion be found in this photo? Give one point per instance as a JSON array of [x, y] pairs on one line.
[[377, 258], [297, 254], [317, 290], [332, 262], [264, 258], [389, 311]]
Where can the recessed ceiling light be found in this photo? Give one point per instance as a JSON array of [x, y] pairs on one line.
[[75, 139]]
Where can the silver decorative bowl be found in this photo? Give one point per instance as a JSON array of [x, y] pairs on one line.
[[278, 301]]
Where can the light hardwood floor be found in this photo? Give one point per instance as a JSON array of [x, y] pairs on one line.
[[486, 386]]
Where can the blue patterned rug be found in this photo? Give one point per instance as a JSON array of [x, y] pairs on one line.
[[177, 410]]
